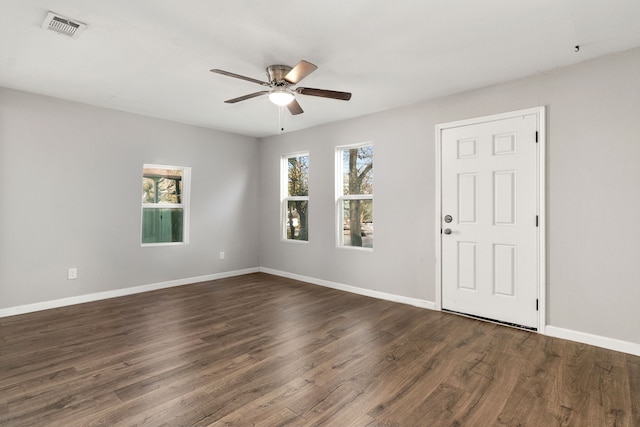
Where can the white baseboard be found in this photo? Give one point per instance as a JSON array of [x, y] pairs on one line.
[[63, 302], [353, 289], [597, 340]]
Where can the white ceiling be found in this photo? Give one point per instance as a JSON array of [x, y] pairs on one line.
[[153, 56]]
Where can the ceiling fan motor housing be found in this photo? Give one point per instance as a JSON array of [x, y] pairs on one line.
[[276, 74]]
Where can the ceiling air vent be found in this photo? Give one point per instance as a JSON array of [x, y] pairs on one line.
[[62, 25]]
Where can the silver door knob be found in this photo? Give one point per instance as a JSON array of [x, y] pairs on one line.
[[447, 231]]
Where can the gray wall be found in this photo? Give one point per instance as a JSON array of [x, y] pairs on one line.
[[71, 193], [593, 194]]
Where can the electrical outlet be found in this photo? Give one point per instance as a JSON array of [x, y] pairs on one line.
[[222, 255], [72, 273]]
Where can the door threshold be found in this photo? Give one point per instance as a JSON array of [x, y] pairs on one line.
[[498, 322]]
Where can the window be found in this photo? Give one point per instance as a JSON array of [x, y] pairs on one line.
[[295, 196], [355, 195], [165, 204]]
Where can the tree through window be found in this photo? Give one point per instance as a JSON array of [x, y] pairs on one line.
[[355, 195], [295, 201]]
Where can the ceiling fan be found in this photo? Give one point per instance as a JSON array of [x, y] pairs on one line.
[[281, 92]]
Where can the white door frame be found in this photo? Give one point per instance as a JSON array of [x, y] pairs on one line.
[[540, 113]]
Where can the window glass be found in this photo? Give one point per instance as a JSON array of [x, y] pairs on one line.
[[357, 170], [162, 225], [164, 191], [355, 197], [295, 200]]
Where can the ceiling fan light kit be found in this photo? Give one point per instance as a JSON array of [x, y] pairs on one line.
[[281, 96], [281, 80]]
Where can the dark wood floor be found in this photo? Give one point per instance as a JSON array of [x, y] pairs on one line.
[[263, 350]]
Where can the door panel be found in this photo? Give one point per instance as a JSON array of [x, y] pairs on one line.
[[467, 198], [489, 187], [504, 197], [468, 265]]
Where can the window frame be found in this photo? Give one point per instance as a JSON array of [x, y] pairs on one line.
[[285, 198], [185, 196], [341, 197]]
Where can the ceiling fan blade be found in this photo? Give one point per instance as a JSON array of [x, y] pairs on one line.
[[300, 71], [294, 107], [344, 96], [238, 76], [242, 98]]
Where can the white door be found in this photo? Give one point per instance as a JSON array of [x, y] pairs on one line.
[[489, 219]]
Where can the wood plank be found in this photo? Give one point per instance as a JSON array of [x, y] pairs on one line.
[[633, 368], [609, 399]]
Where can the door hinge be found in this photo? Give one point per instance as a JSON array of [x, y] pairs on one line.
[[536, 136], [537, 221], [536, 305]]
